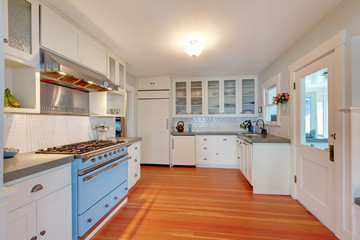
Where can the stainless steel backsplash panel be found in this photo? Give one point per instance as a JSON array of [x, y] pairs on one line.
[[55, 99]]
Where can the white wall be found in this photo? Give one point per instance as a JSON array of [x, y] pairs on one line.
[[346, 15], [32, 132]]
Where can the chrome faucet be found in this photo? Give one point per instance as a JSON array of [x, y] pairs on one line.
[[263, 130]]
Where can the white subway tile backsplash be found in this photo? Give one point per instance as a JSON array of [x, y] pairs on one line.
[[32, 132]]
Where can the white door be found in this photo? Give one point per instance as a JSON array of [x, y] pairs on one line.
[[314, 124], [153, 127], [183, 150], [225, 147]]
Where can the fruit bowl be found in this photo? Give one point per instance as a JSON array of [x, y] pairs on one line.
[[10, 152]]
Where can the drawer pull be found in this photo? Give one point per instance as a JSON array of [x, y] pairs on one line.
[[115, 198], [89, 220], [5, 40], [205, 148], [129, 157], [34, 238], [37, 188], [135, 160], [205, 159], [224, 139], [136, 148], [135, 175], [205, 139], [42, 233], [106, 205]]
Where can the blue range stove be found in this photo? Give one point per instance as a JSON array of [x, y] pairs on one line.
[[99, 180]]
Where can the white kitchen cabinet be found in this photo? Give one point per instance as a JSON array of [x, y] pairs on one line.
[[248, 95], [153, 83], [59, 35], [24, 82], [92, 54], [116, 71], [109, 103], [189, 101], [266, 166], [216, 151], [183, 150], [134, 164], [226, 152], [21, 30], [41, 208]]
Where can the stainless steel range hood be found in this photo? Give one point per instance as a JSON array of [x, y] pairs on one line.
[[58, 70]]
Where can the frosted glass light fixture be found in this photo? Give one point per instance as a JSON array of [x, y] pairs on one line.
[[194, 48]]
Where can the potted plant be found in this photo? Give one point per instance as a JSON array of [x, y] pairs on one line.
[[247, 124]]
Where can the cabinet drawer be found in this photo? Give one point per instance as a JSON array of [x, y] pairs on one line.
[[134, 148], [205, 139], [96, 212], [39, 186], [205, 158], [205, 148]]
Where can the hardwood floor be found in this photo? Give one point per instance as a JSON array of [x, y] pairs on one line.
[[204, 203]]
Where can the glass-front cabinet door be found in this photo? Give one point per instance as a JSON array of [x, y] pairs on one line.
[[229, 93], [213, 97], [181, 95], [21, 29], [196, 91], [248, 96]]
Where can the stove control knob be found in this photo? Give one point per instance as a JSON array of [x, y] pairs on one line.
[[110, 154], [114, 152], [123, 149], [118, 150], [106, 155], [100, 157], [93, 160]]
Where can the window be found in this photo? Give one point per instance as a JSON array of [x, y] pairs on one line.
[[270, 89]]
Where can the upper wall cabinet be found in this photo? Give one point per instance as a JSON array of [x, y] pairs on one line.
[[61, 36], [116, 71], [188, 96], [21, 30], [215, 97], [153, 83]]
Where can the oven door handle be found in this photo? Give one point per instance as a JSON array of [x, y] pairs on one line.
[[102, 171]]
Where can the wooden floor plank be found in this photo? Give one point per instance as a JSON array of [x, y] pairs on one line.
[[205, 203]]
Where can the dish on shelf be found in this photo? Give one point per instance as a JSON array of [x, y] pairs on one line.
[[10, 152]]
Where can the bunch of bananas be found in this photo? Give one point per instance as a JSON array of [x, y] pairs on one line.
[[10, 100]]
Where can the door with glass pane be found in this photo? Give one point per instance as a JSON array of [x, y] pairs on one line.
[[196, 98], [229, 96], [213, 97], [314, 122], [248, 96], [181, 98], [21, 28]]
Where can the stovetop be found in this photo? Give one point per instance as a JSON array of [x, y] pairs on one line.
[[80, 147]]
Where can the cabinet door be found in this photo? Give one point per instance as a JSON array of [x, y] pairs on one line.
[[181, 98], [213, 97], [248, 96], [121, 73], [225, 147], [196, 98], [154, 83], [93, 54], [21, 29], [248, 159], [111, 74], [229, 93], [54, 215], [183, 150], [21, 223], [59, 35]]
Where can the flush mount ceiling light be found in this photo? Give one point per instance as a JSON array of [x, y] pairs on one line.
[[194, 48]]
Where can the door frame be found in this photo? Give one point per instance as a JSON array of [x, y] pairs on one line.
[[336, 44]]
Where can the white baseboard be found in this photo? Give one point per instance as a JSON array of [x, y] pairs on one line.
[[275, 191], [105, 220]]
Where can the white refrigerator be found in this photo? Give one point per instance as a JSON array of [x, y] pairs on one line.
[[153, 126]]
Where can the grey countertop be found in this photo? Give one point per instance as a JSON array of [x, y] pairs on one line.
[[25, 164], [357, 201], [251, 138], [130, 139]]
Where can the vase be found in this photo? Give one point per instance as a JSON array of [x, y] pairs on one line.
[[283, 107], [251, 129]]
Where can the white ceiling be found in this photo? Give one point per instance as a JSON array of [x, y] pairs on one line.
[[240, 36]]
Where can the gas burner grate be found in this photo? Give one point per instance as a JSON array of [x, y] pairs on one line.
[[81, 147]]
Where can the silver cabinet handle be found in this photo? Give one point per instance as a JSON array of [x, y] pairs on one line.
[[136, 148], [37, 188], [135, 160], [224, 139], [167, 123], [205, 159], [135, 175], [172, 143], [205, 148], [204, 139]]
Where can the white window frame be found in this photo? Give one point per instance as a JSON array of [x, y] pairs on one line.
[[272, 82]]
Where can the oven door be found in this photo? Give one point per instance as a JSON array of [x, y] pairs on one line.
[[95, 185]]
